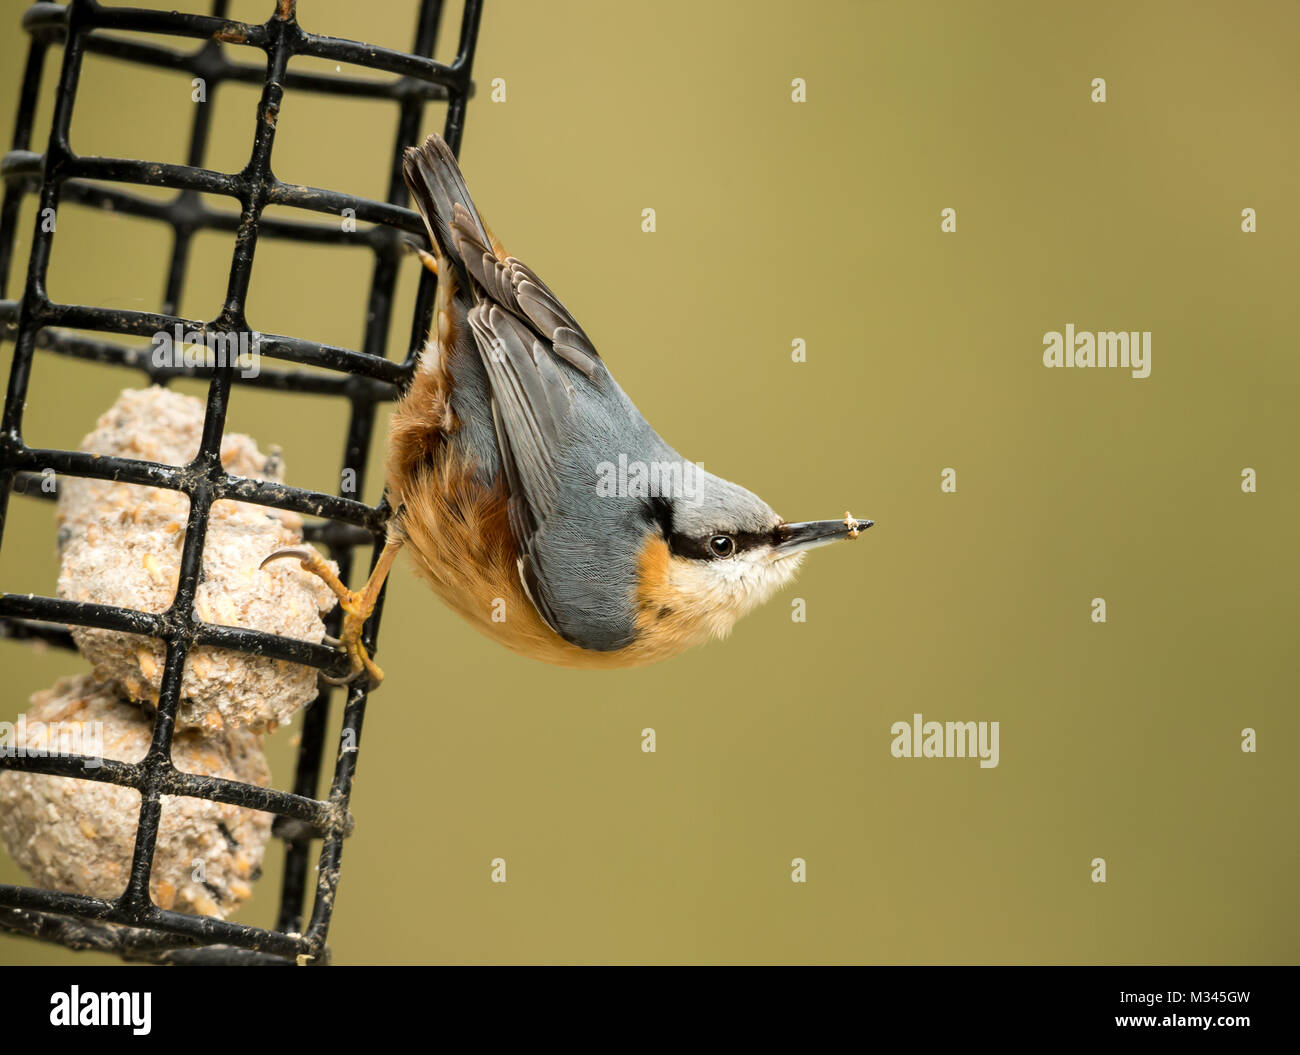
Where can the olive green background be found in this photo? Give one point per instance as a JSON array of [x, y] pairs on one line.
[[820, 221]]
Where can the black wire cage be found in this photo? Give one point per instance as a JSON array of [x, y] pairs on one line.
[[132, 925]]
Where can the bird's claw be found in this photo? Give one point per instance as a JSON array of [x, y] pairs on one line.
[[302, 553], [357, 608]]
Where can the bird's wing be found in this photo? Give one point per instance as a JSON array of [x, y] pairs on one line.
[[528, 341], [532, 403], [513, 284]]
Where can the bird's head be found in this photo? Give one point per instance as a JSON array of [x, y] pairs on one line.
[[718, 551]]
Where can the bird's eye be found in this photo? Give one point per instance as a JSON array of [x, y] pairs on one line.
[[722, 545]]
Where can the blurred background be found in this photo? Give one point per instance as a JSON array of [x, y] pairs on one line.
[[818, 221]]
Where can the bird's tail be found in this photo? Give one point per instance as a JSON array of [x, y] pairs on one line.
[[437, 186]]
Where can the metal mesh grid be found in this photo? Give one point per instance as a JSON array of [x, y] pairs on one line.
[[363, 378]]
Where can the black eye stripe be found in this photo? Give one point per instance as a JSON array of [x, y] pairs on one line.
[[753, 539], [659, 511], [694, 548], [688, 546]]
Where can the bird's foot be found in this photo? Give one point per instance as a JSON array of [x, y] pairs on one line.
[[426, 258], [357, 606]]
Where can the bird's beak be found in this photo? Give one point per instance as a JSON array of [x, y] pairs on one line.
[[794, 538]]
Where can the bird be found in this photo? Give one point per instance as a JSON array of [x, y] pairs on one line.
[[534, 497]]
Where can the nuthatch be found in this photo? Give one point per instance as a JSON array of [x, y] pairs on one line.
[[501, 474]]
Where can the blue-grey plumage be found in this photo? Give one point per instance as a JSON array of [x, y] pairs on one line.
[[535, 497]]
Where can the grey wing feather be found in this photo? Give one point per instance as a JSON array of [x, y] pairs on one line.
[[523, 525], [545, 311], [531, 401], [514, 285]]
